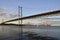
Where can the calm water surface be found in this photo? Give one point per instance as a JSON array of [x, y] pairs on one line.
[[11, 32]]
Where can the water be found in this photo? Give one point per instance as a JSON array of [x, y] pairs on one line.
[[11, 32]]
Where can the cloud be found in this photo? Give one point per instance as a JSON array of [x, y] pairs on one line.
[[6, 15], [13, 15], [2, 12]]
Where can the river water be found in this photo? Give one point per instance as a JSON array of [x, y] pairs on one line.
[[11, 32]]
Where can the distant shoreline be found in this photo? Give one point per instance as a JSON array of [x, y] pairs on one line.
[[23, 25]]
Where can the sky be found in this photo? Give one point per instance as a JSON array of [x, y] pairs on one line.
[[30, 7]]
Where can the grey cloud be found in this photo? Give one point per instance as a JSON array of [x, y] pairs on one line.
[[2, 12], [12, 15]]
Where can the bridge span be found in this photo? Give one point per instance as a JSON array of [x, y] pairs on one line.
[[33, 16]]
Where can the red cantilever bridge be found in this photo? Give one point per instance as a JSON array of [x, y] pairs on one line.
[[34, 16]]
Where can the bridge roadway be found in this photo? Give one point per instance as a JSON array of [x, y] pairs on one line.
[[33, 16]]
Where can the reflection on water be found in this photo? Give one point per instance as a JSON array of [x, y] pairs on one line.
[[11, 32]]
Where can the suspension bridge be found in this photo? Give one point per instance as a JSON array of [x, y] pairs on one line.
[[46, 14]]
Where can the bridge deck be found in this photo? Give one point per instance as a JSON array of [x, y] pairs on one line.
[[33, 16]]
